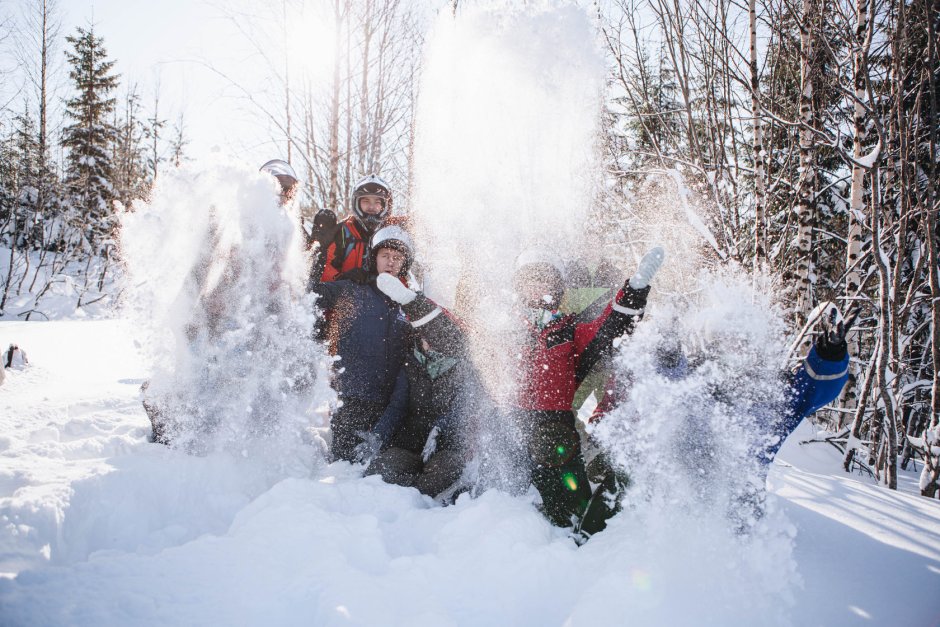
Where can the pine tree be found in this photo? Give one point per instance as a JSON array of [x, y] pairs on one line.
[[130, 170], [89, 137]]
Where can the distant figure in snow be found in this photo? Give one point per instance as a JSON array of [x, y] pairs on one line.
[[15, 357], [369, 332]]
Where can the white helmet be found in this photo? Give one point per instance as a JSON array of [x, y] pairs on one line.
[[281, 170], [393, 237]]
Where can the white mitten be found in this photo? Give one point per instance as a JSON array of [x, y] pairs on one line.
[[648, 267], [394, 289], [431, 445]]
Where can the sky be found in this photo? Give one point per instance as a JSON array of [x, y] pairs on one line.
[[203, 63], [176, 43]]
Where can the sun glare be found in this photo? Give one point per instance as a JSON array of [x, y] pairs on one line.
[[311, 41]]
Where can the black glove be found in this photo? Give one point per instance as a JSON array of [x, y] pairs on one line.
[[324, 220], [830, 343], [324, 228], [419, 307], [633, 298]]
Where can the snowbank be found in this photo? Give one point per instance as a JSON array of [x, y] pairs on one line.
[[100, 527]]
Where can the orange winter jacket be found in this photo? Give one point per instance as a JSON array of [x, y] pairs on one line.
[[348, 249]]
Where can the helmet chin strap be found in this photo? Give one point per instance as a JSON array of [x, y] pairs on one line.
[[372, 222]]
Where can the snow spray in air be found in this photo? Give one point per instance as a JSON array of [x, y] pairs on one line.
[[697, 382], [217, 275], [506, 151], [506, 157]]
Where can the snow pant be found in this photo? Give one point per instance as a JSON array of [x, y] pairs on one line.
[[355, 416], [606, 499], [556, 464], [403, 467]]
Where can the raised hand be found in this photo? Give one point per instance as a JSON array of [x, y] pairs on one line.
[[394, 289], [633, 296], [648, 267], [830, 343]]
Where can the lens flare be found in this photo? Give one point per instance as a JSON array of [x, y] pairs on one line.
[[642, 580], [570, 480]]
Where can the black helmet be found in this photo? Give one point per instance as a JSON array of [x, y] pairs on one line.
[[372, 185], [281, 170], [393, 237]]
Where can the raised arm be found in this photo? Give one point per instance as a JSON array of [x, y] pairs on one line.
[[594, 339]]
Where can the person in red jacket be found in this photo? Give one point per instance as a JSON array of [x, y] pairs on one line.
[[556, 352], [343, 245]]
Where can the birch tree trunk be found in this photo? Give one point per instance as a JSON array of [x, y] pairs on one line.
[[930, 479], [853, 277], [333, 196], [887, 329], [368, 28], [806, 205], [760, 202]]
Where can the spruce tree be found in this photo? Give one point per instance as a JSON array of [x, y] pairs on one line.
[[89, 137], [130, 175]]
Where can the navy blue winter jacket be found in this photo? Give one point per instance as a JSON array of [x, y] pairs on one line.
[[370, 334]]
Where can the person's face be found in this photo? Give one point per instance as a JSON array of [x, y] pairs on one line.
[[288, 189], [371, 205], [389, 260], [533, 284]]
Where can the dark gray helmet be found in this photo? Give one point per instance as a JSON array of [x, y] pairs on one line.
[[372, 185]]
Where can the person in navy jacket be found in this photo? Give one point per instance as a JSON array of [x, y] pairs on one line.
[[369, 332]]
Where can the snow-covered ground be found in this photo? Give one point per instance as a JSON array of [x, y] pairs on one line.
[[100, 527]]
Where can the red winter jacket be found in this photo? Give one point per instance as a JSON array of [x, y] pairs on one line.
[[555, 360]]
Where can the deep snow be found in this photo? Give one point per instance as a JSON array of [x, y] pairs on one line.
[[101, 527]]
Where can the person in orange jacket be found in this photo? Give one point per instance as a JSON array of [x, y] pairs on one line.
[[343, 245]]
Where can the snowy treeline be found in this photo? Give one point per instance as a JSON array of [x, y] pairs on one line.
[[809, 132], [70, 157]]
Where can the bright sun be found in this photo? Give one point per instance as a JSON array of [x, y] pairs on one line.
[[311, 41]]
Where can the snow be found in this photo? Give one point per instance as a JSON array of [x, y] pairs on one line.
[[66, 287], [101, 527], [868, 161], [506, 126]]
